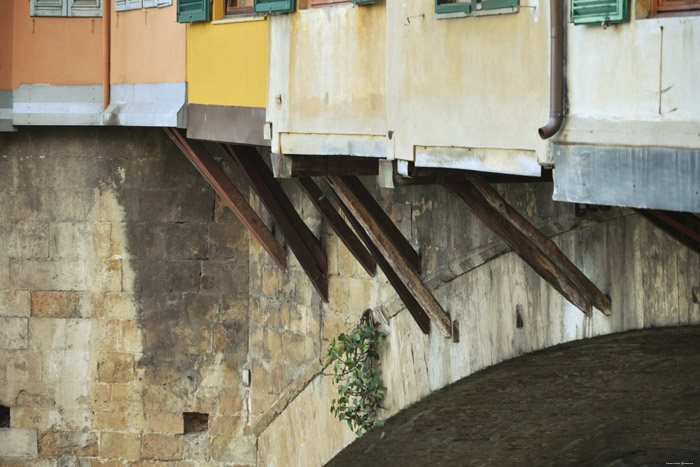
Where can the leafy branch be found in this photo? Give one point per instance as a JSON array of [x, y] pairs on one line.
[[355, 373]]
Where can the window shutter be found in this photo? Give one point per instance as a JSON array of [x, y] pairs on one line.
[[134, 4], [150, 3], [48, 8], [364, 2], [85, 8], [162, 3], [120, 5], [442, 8], [189, 11], [599, 11], [273, 6]]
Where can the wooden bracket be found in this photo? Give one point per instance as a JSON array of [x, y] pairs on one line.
[[302, 241], [530, 244], [339, 226], [382, 242], [683, 226], [217, 179]]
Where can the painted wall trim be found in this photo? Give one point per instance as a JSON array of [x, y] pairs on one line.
[[506, 161], [653, 178], [333, 144], [149, 104], [231, 124], [6, 111]]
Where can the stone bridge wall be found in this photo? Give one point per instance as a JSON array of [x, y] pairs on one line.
[[129, 296]]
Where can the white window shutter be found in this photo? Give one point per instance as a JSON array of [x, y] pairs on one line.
[[85, 8], [149, 3], [48, 8], [134, 4], [162, 3], [120, 5]]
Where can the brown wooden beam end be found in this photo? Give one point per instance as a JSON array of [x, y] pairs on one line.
[[301, 240], [520, 243], [217, 179], [383, 220], [414, 308], [286, 166], [386, 244], [574, 275], [339, 226], [683, 226]]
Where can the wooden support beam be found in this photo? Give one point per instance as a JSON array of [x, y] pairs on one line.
[[385, 241], [217, 179], [574, 275], [285, 166], [301, 240], [339, 226], [522, 238], [683, 226], [387, 225], [412, 305]]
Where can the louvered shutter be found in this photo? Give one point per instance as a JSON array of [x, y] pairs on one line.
[[189, 11], [273, 6], [119, 5], [48, 8], [164, 3], [364, 2], [599, 11], [443, 8], [150, 3], [134, 4], [85, 8]]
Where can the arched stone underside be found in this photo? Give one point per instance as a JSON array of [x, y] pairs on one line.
[[623, 399]]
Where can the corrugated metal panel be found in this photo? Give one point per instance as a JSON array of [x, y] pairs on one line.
[[653, 178]]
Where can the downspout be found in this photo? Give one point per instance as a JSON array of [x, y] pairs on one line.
[[556, 84], [107, 11]]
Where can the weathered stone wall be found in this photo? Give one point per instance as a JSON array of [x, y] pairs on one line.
[[123, 304]]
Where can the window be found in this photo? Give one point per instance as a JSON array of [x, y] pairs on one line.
[[76, 8], [189, 11], [273, 6], [125, 5], [599, 11], [456, 8], [315, 3], [238, 7], [675, 7]]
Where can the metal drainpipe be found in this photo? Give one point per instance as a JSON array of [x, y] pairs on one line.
[[106, 32], [556, 86]]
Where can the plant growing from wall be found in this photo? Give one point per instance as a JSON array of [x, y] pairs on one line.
[[355, 362]]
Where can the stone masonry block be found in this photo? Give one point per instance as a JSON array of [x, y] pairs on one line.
[[227, 241], [14, 303], [233, 450], [80, 239], [163, 447], [120, 445], [116, 367], [66, 366], [18, 442], [21, 366], [223, 277], [55, 304], [162, 276], [28, 240], [298, 349], [113, 305], [79, 443], [48, 274], [186, 241], [14, 333], [104, 275], [47, 334]]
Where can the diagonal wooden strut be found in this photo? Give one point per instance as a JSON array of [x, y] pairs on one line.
[[530, 244], [341, 229], [301, 240], [412, 305], [385, 243], [365, 197], [683, 226], [217, 179]]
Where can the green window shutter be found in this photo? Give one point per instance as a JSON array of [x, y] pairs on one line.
[[599, 11], [364, 2], [48, 8], [273, 6], [189, 11], [442, 8]]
